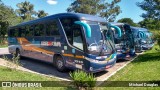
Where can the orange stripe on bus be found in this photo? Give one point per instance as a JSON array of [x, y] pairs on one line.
[[71, 55], [23, 42], [79, 56]]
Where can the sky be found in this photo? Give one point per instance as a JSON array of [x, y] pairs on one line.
[[128, 7]]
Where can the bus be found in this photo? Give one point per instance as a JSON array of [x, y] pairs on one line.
[[67, 40], [124, 44], [143, 39]]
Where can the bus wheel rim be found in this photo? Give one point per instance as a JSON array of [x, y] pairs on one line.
[[59, 64]]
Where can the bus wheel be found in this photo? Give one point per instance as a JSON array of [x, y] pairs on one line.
[[17, 54], [60, 64]]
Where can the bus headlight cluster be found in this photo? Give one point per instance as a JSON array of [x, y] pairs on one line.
[[92, 60]]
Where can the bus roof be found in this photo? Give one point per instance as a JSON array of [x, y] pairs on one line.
[[116, 23], [77, 15], [139, 28]]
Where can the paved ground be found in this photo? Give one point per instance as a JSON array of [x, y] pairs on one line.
[[47, 69]]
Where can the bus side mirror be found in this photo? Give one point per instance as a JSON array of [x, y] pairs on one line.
[[86, 27], [118, 30], [141, 34]]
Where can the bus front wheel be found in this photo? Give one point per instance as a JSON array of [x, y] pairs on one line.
[[60, 64]]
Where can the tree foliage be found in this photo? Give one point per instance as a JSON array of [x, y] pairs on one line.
[[10, 17], [150, 24], [85, 6], [151, 16], [26, 10], [7, 18], [41, 13], [152, 8], [111, 10], [128, 21], [108, 10]]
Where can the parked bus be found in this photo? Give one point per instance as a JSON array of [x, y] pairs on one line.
[[125, 43], [143, 39], [68, 40]]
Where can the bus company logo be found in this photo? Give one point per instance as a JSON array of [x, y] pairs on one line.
[[50, 43], [6, 84]]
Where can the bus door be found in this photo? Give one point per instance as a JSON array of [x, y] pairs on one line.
[[75, 46]]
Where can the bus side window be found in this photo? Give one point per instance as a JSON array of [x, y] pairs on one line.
[[29, 31], [77, 38], [39, 30], [13, 33], [52, 29], [73, 32], [66, 22], [22, 32]]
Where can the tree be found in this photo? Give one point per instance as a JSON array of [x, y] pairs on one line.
[[7, 18], [150, 24], [152, 8], [96, 7], [111, 10], [85, 6], [41, 13], [151, 16], [128, 21], [26, 10]]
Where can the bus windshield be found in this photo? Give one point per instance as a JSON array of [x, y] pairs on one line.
[[97, 44], [148, 38]]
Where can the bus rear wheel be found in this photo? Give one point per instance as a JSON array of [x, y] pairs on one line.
[[60, 64], [17, 54]]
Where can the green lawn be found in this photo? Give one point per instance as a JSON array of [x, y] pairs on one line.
[[3, 46], [15, 75], [144, 68]]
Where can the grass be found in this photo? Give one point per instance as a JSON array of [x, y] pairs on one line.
[[144, 68], [3, 42], [3, 46], [16, 75]]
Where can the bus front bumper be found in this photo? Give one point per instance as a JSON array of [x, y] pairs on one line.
[[97, 66], [126, 56], [147, 46]]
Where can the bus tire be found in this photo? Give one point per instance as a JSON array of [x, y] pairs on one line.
[[17, 54], [59, 63]]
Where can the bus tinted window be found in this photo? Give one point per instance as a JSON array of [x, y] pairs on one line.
[[77, 39], [13, 32], [22, 32], [29, 31], [52, 29], [73, 32], [39, 30]]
